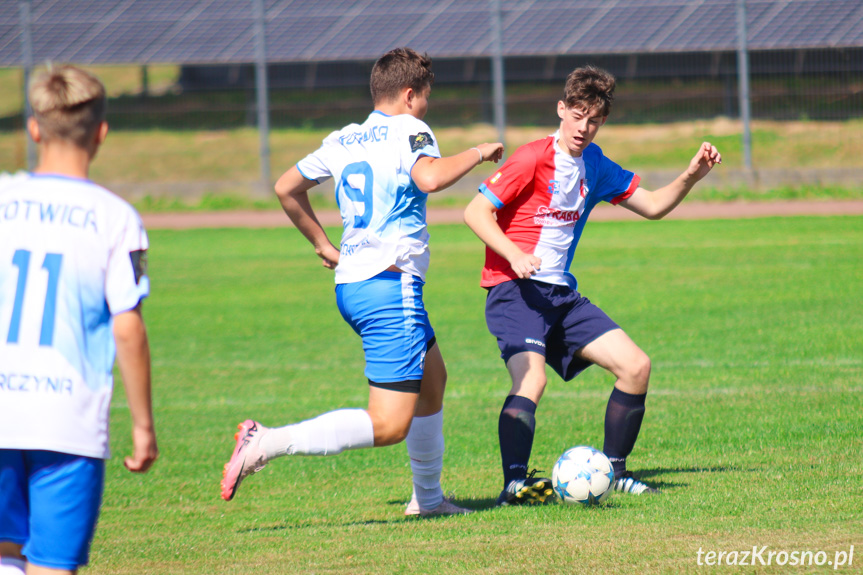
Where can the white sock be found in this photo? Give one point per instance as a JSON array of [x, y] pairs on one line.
[[327, 434], [425, 447], [12, 566]]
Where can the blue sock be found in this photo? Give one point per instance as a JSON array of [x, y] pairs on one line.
[[515, 429], [622, 423]]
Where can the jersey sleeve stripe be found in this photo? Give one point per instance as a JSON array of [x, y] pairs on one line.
[[483, 189], [629, 191]]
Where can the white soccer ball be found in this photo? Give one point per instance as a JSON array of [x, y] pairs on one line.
[[582, 475]]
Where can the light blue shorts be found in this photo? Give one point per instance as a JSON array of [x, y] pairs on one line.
[[49, 503], [387, 311]]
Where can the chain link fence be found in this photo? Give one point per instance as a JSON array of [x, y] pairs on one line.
[[191, 130]]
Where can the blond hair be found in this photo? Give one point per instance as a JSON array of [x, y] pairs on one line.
[[68, 104], [398, 69], [589, 88]]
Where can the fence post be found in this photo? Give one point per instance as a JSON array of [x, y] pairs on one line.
[[743, 84], [261, 91], [27, 64], [497, 71]]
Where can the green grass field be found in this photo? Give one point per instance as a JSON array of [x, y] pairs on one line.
[[753, 428]]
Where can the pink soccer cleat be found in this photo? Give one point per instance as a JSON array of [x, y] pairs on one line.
[[248, 457]]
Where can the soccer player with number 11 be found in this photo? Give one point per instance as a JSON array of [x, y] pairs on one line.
[[72, 279]]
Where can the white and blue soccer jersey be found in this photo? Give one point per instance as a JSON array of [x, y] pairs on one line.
[[72, 255], [383, 212]]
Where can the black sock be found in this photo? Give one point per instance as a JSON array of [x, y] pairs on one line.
[[515, 428], [622, 423]]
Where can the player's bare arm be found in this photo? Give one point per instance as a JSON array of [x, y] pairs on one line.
[[657, 204], [292, 189], [480, 217], [133, 359], [437, 174]]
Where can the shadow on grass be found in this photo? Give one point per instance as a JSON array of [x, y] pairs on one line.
[[476, 504], [309, 525], [490, 503], [646, 474]]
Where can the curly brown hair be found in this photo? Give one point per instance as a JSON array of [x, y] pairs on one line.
[[589, 88]]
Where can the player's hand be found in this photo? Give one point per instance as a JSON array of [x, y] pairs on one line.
[[329, 256], [144, 450], [525, 265], [704, 160], [491, 152]]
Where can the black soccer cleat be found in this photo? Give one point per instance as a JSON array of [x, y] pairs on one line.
[[528, 491]]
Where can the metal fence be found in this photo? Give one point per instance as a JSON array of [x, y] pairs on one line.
[[200, 104], [784, 85]]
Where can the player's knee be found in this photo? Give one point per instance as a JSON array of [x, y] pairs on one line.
[[390, 432], [536, 385], [639, 372], [531, 386], [389, 437]]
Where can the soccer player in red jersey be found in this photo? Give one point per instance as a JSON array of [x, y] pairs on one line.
[[530, 214]]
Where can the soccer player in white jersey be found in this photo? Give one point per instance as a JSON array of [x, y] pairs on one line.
[[530, 215], [72, 278], [383, 170]]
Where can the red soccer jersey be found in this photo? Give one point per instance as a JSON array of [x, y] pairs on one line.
[[544, 197]]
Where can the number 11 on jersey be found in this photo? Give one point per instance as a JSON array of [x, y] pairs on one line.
[[51, 264]]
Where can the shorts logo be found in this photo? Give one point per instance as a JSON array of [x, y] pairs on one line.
[[554, 187], [495, 178], [420, 141], [531, 341]]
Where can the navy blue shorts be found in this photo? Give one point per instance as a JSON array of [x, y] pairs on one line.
[[552, 320]]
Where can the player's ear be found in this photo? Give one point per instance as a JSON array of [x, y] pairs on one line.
[[98, 137], [561, 109], [101, 133], [33, 129]]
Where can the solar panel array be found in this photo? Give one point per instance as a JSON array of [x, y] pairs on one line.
[[222, 31]]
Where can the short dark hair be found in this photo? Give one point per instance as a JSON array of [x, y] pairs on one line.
[[399, 69], [589, 88], [68, 104]]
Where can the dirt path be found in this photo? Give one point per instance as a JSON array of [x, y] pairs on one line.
[[686, 211]]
